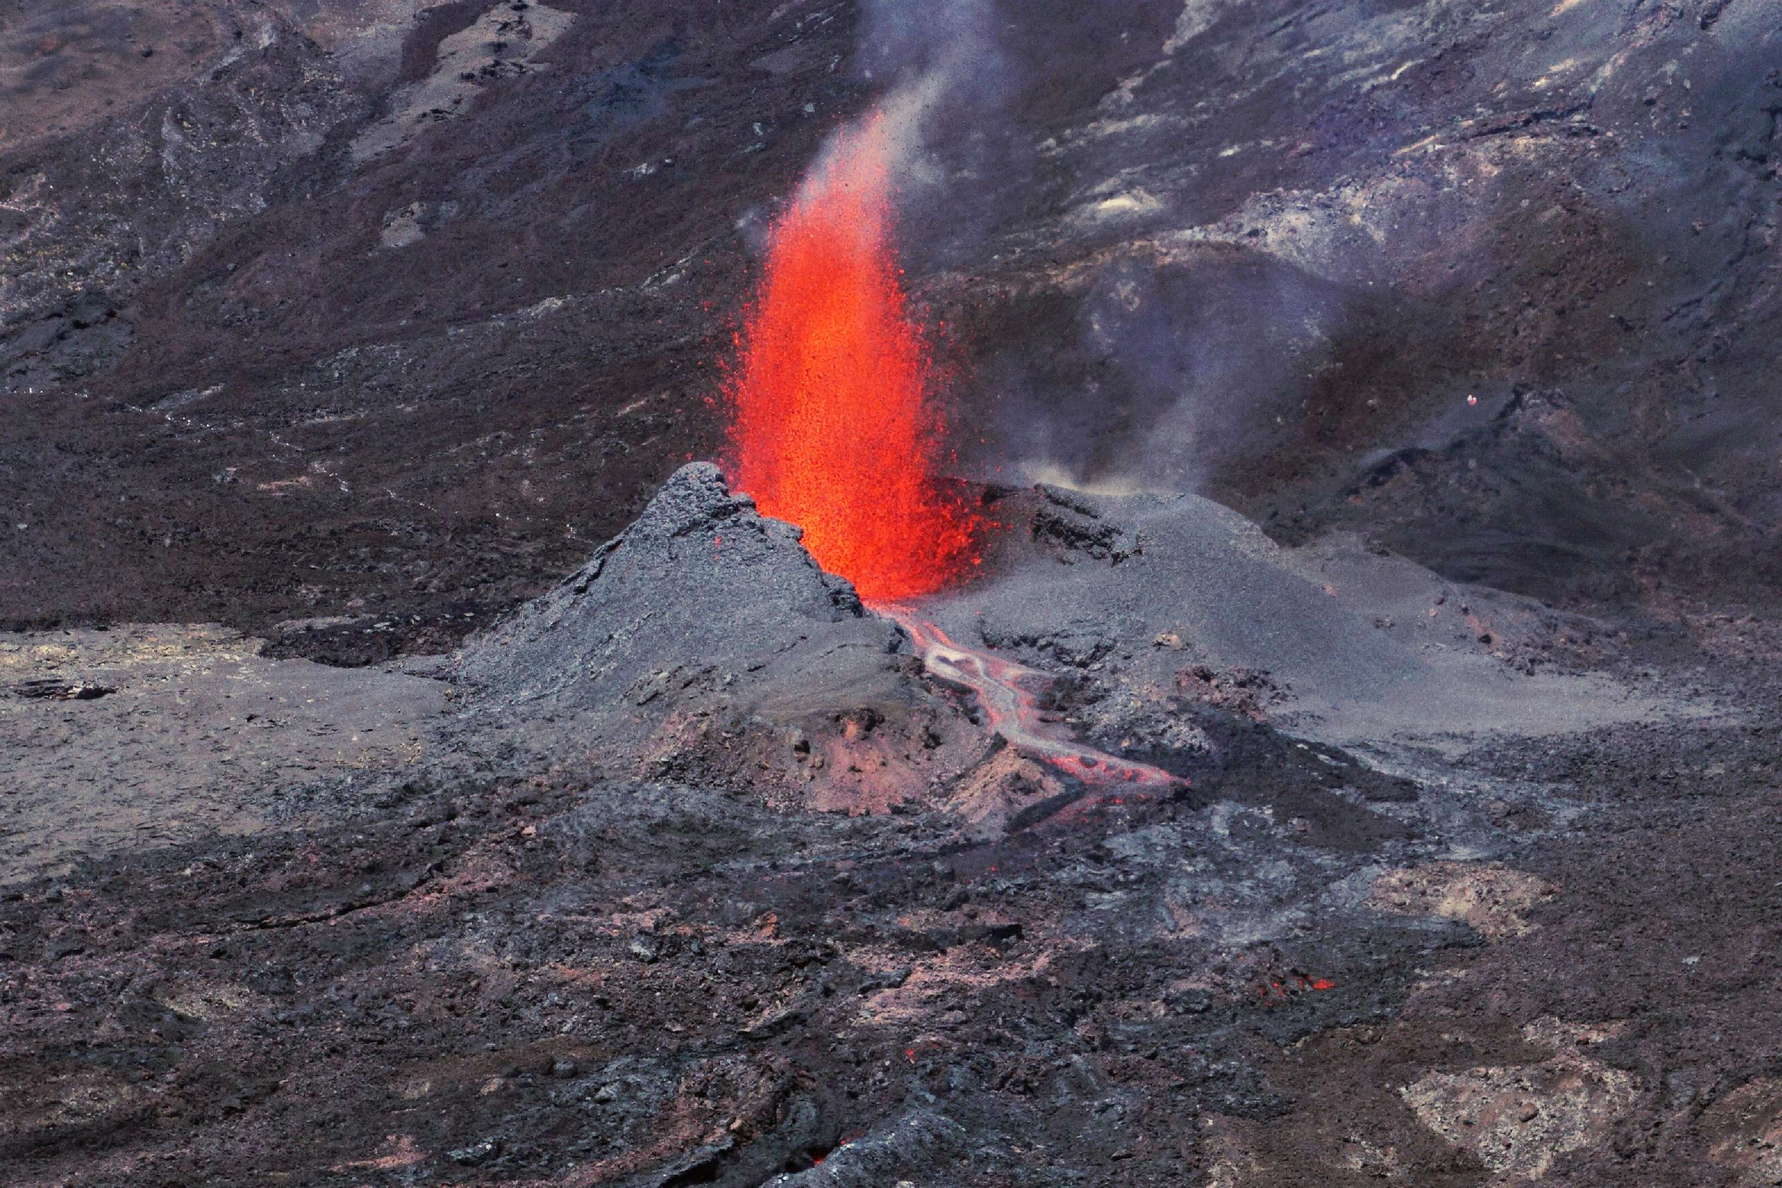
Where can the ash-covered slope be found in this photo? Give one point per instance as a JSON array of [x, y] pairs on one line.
[[703, 642], [1151, 600], [699, 584]]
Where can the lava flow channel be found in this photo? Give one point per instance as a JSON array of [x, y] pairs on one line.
[[833, 426], [1009, 693]]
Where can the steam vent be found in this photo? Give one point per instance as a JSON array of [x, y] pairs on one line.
[[890, 594]]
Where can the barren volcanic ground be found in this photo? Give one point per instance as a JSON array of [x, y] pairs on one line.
[[417, 767]]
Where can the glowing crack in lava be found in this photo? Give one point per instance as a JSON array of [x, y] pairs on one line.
[[1009, 693], [833, 424]]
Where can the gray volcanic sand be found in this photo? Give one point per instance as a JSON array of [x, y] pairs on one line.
[[199, 734]]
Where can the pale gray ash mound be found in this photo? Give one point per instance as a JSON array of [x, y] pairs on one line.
[[1146, 598], [704, 640]]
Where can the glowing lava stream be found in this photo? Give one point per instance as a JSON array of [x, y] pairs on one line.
[[1009, 693]]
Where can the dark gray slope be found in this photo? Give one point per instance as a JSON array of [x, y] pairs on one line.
[[704, 607]]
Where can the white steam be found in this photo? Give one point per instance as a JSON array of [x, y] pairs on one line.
[[942, 68]]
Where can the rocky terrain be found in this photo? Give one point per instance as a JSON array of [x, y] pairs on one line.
[[412, 771]]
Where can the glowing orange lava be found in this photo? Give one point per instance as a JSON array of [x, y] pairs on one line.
[[833, 427]]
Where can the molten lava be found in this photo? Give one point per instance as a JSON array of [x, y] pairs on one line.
[[1010, 695], [834, 428]]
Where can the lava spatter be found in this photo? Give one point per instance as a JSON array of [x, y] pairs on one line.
[[834, 427]]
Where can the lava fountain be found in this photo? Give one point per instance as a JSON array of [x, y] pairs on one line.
[[834, 428], [834, 424]]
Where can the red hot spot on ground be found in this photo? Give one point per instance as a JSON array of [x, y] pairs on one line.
[[833, 423]]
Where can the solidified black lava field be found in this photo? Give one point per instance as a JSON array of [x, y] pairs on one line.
[[418, 767]]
